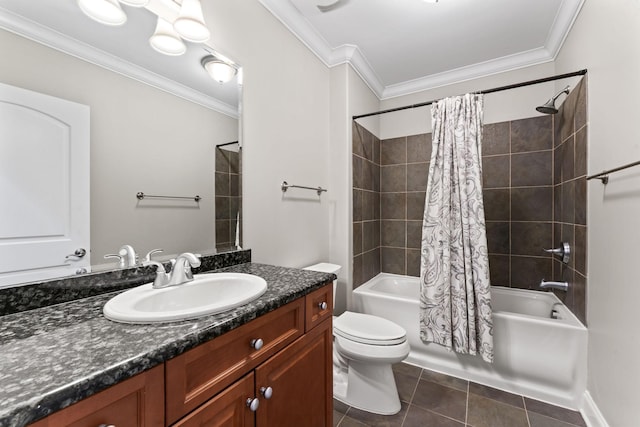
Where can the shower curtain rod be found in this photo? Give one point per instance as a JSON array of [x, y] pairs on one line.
[[496, 89]]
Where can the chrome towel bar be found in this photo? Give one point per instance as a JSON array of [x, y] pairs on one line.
[[141, 196], [604, 175], [285, 186]]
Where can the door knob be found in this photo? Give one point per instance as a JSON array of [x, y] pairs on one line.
[[79, 253]]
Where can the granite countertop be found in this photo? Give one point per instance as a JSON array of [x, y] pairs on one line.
[[54, 356]]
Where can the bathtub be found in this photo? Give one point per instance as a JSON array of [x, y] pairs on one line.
[[534, 354]]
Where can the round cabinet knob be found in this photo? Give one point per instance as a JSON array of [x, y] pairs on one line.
[[106, 425], [267, 392], [253, 404], [323, 305], [257, 344]]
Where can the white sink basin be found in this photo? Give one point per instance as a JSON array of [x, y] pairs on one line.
[[207, 294]]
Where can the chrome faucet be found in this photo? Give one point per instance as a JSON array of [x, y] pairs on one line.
[[181, 270], [126, 256], [563, 286]]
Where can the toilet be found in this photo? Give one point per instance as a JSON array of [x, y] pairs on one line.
[[364, 349]]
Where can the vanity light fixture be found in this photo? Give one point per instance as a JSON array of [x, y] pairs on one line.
[[218, 69], [190, 22], [107, 12], [165, 39]]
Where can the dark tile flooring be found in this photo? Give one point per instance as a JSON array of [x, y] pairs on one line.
[[437, 400]]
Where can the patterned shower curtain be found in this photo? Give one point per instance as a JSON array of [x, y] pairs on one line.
[[455, 299]]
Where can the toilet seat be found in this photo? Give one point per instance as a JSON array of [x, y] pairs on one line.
[[367, 329]]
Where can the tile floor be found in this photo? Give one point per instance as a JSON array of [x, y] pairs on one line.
[[435, 400]]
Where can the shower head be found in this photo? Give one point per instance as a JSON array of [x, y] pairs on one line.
[[549, 107]]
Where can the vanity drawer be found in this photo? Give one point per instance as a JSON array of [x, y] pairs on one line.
[[319, 306], [198, 374], [137, 401]]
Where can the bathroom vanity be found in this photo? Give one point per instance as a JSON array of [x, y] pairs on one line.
[[267, 363]]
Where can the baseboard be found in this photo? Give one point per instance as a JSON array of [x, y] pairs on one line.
[[591, 414]]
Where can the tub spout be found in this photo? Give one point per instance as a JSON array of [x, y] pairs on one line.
[[563, 286]]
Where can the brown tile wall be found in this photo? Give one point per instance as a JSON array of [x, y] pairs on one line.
[[534, 193], [518, 194], [366, 205], [570, 196], [404, 166], [228, 197]]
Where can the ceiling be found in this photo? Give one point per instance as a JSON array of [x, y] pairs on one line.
[[124, 49], [404, 46]]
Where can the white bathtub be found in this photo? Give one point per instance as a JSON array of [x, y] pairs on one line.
[[534, 355]]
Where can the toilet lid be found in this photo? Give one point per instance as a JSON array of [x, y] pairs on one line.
[[368, 329]]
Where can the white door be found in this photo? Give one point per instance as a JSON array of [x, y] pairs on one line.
[[44, 186]]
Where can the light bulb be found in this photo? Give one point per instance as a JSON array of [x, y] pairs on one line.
[[219, 71], [190, 22], [165, 39], [106, 12], [135, 3]]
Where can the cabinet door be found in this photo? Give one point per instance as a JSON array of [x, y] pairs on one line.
[[228, 409], [301, 382], [138, 401], [198, 374], [318, 306]]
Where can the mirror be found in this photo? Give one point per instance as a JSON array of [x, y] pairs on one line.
[[155, 124]]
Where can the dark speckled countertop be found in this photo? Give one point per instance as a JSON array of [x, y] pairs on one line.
[[54, 356]]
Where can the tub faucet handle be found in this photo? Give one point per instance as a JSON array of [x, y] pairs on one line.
[[563, 251]]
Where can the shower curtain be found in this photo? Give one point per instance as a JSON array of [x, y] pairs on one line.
[[455, 301]]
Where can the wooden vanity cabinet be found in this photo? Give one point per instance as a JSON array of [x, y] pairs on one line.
[[300, 384], [137, 401], [301, 380], [292, 372], [287, 375], [195, 376]]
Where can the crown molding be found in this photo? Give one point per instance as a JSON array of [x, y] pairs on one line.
[[567, 15], [48, 37], [470, 72], [293, 20]]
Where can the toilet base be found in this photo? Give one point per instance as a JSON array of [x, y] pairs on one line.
[[367, 386]]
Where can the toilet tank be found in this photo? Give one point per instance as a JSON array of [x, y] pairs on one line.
[[325, 267]]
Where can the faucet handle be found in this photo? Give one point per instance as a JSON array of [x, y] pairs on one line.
[[147, 257], [159, 265], [162, 277], [563, 251], [120, 259]]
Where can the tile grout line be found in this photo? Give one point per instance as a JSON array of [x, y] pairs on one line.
[[411, 398], [526, 412], [466, 410]]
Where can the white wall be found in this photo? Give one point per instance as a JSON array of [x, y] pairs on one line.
[[605, 39], [142, 139], [498, 107], [285, 133], [349, 96]]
